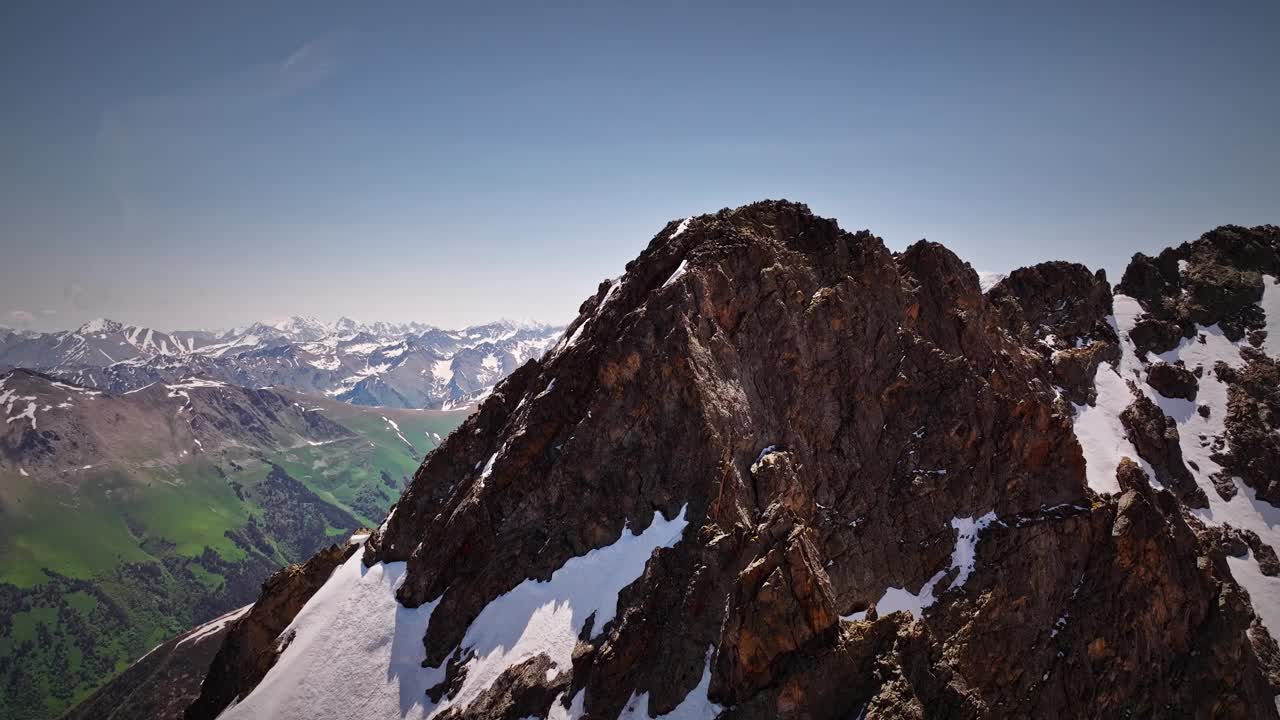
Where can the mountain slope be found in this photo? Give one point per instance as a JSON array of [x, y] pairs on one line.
[[775, 470], [126, 518]]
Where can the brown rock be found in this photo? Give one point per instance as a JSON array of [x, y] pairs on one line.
[[1216, 279], [1150, 335], [1155, 436], [783, 602], [1061, 310], [1172, 381], [1252, 451]]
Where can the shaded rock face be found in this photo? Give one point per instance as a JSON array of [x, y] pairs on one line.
[[1237, 543], [1253, 424], [883, 377], [1155, 436], [849, 432], [1172, 381], [1060, 309], [253, 642]]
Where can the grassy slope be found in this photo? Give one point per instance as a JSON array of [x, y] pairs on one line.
[[90, 581]]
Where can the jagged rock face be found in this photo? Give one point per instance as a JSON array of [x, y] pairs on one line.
[[826, 410], [883, 501], [1253, 425], [880, 376], [1155, 436], [1060, 309], [1172, 381], [1216, 279]]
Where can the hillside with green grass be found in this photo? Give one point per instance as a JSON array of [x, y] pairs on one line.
[[103, 560]]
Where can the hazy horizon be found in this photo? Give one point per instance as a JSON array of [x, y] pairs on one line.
[[183, 167], [276, 321]]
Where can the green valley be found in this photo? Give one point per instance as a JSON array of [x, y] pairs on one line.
[[102, 560]]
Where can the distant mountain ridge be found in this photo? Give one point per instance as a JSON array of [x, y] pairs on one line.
[[404, 365]]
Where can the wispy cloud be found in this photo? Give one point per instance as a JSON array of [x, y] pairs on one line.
[[141, 135], [246, 89], [20, 319], [74, 295]]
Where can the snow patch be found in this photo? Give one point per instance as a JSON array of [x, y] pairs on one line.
[[1196, 436], [680, 270], [356, 652], [573, 339], [1264, 591], [328, 363], [546, 617], [968, 531], [988, 280], [213, 626], [394, 426], [1098, 427], [695, 706], [442, 370], [546, 391], [966, 553], [29, 413], [195, 383], [684, 225], [1270, 305], [356, 619]]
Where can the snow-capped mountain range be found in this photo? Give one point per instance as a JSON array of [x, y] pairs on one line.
[[409, 365]]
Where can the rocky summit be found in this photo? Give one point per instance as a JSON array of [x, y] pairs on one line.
[[777, 470]]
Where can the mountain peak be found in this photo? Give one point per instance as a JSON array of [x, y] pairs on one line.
[[773, 463], [304, 328], [98, 326]]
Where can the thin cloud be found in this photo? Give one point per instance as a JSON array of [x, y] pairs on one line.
[[20, 319], [73, 293], [300, 70], [143, 137]]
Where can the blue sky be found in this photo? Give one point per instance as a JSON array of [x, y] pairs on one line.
[[178, 164]]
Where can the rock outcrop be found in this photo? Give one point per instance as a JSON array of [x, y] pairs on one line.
[[1252, 452], [1172, 381], [1155, 436], [1215, 280], [253, 642], [1060, 309]]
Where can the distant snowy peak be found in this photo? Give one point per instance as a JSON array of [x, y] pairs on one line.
[[98, 326], [411, 365], [988, 279], [303, 328]]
